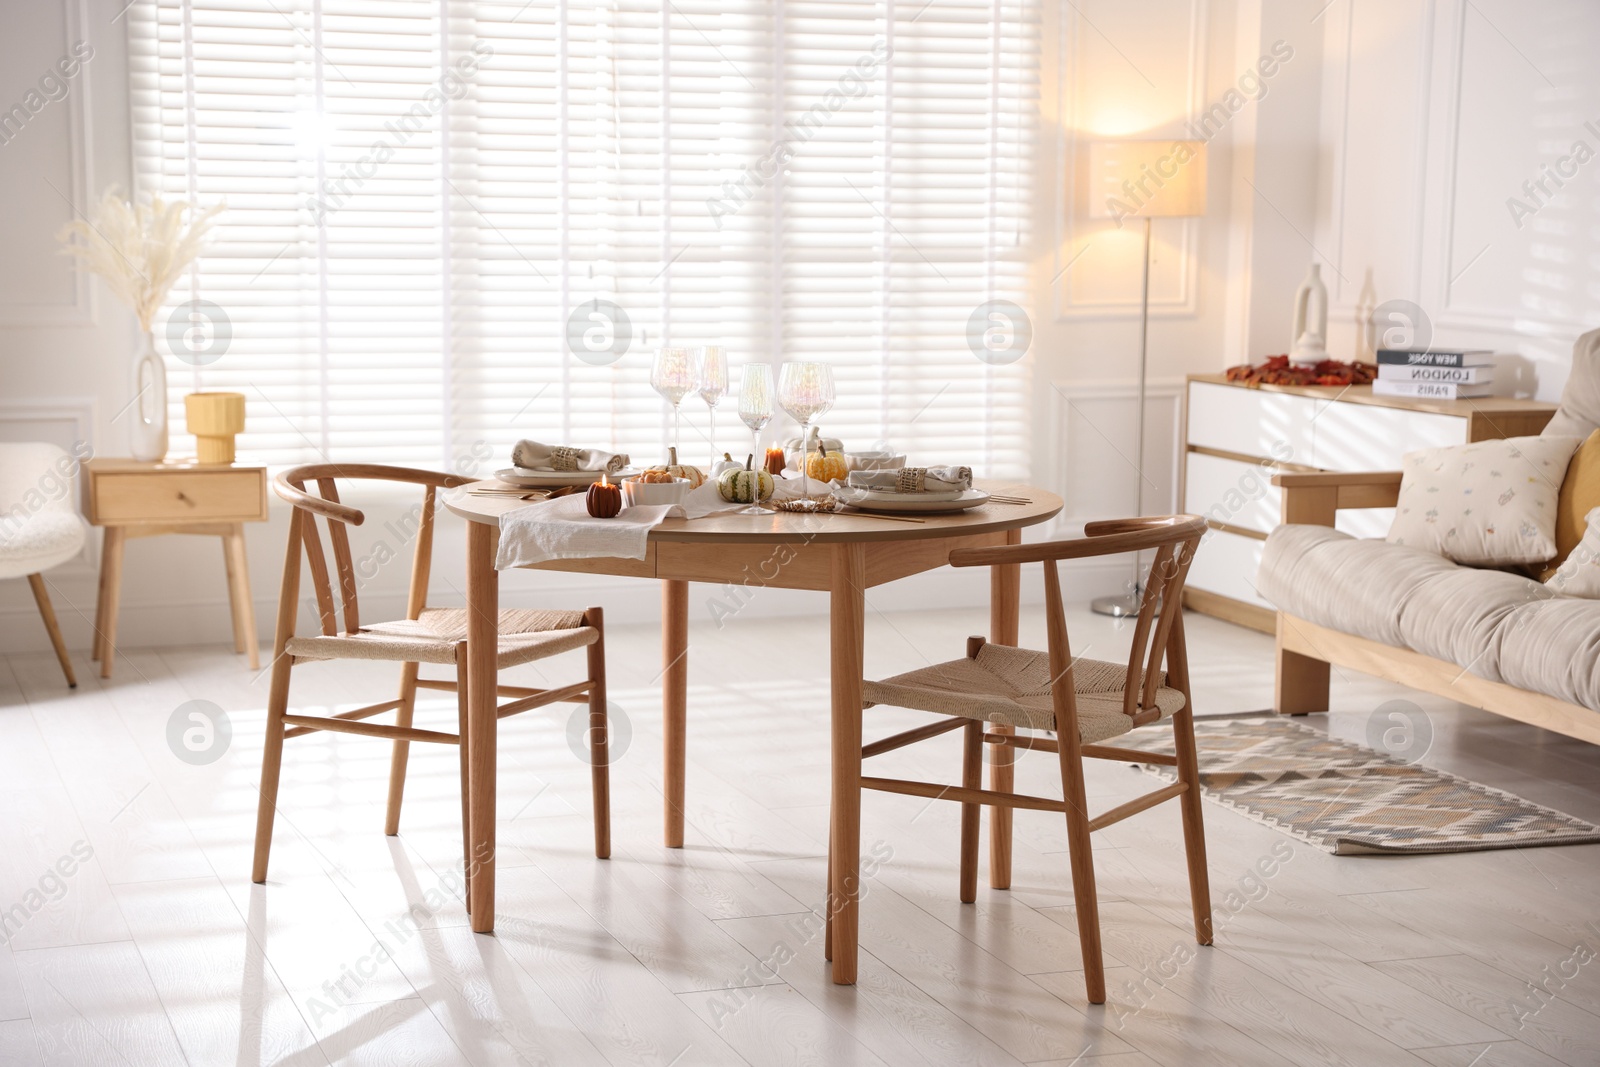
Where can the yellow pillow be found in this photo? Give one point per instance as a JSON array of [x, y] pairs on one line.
[[1580, 493]]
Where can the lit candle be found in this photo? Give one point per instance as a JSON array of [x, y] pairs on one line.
[[775, 461], [603, 499]]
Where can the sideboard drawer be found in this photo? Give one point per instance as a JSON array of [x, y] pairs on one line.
[[1228, 491], [1252, 422], [1226, 564], [1365, 437], [164, 496]]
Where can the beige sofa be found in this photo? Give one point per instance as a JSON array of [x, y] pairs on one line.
[[1487, 638]]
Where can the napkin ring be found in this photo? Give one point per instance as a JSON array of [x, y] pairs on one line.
[[563, 458], [911, 480]]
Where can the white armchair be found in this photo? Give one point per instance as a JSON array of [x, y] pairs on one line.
[[39, 528]]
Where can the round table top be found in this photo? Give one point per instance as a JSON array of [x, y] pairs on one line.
[[780, 527]]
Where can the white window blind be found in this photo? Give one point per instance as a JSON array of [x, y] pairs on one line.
[[421, 193]]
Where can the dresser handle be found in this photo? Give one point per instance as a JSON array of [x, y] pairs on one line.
[[184, 498]]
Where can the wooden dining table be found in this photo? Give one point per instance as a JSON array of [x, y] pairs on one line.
[[841, 554]]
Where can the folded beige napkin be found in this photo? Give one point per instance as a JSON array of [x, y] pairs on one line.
[[533, 456], [914, 480]]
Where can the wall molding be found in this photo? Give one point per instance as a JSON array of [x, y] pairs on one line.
[[1071, 407], [1068, 220], [83, 309]]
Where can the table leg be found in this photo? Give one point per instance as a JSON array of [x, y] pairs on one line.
[[674, 703], [111, 575], [483, 613], [847, 608], [244, 613], [95, 640], [1005, 596]]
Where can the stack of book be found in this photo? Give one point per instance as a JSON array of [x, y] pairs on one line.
[[1439, 374]]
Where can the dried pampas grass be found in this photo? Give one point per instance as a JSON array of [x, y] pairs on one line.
[[140, 249]]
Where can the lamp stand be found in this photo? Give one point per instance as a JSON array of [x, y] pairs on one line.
[[1128, 603]]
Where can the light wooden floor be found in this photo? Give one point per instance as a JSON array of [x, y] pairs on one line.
[[158, 950]]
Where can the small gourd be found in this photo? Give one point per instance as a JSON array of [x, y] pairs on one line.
[[673, 469], [826, 466], [604, 499], [726, 463], [740, 484]]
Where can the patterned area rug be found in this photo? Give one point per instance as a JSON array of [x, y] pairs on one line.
[[1346, 799]]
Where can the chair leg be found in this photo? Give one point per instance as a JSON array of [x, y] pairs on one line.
[[599, 736], [271, 763], [1002, 779], [466, 796], [402, 749], [41, 596], [971, 778], [1194, 831], [1081, 852]]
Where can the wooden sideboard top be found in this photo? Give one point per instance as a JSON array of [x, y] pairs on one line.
[[123, 465], [1362, 394]]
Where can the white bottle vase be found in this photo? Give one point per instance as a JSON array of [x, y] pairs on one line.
[[1310, 330], [147, 429]]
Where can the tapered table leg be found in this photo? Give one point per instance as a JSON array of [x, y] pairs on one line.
[[674, 703], [111, 602], [483, 613], [847, 608], [1005, 601]]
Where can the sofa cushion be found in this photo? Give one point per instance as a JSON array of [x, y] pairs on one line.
[[1393, 594], [1553, 647], [1459, 616], [1580, 494], [1579, 413], [1489, 502], [1579, 573], [1335, 580]]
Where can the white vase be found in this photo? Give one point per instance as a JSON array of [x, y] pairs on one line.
[[1310, 331], [147, 429]]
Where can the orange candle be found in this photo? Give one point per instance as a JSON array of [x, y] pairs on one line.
[[775, 461]]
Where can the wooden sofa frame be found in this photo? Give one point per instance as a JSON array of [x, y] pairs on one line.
[[1305, 650]]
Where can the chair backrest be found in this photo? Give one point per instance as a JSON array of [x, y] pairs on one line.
[[291, 485], [1158, 630], [36, 476]]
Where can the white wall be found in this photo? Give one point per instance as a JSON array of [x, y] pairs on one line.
[[1435, 112], [1385, 149]]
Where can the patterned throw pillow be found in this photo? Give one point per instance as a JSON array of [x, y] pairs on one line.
[[1579, 573], [1490, 503]]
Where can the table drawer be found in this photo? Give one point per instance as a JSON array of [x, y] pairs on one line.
[[179, 496]]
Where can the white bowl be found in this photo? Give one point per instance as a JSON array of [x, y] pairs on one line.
[[873, 461], [646, 494]]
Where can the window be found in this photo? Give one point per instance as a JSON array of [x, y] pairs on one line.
[[427, 198]]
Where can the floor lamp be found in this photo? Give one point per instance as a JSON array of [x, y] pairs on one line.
[[1143, 179]]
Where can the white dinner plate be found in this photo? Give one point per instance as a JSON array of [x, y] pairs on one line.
[[527, 479], [866, 501]]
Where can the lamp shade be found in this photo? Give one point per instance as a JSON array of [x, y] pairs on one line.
[[1146, 179]]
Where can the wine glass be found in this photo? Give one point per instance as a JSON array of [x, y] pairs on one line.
[[755, 408], [672, 375], [805, 390], [712, 361]]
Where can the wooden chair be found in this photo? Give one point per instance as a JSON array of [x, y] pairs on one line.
[[426, 635], [1011, 689]]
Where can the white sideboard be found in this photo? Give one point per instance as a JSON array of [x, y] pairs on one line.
[[1237, 436]]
